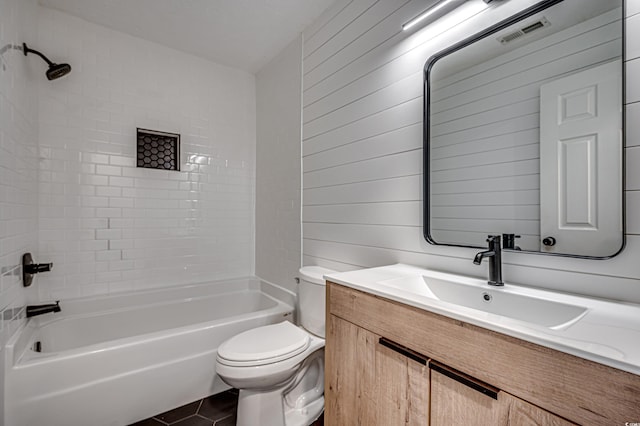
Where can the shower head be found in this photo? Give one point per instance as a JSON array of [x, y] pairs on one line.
[[55, 71]]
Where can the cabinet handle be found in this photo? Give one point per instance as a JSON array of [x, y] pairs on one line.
[[466, 380], [403, 350]]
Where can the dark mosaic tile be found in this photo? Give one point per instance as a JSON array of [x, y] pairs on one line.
[[179, 413], [193, 421], [149, 422], [219, 406], [227, 421]]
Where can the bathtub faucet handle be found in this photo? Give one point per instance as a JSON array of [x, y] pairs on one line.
[[29, 269], [34, 310], [39, 267]]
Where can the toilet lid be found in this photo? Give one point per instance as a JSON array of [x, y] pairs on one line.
[[282, 341]]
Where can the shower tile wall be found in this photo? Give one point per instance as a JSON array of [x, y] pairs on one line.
[[109, 226], [18, 158]]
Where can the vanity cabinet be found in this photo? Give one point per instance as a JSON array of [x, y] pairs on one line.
[[389, 364]]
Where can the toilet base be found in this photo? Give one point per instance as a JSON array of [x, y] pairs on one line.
[[260, 408], [267, 410], [297, 403], [305, 416]]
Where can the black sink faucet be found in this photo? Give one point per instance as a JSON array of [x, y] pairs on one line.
[[495, 260], [34, 310]]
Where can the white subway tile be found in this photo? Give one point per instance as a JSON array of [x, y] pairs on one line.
[[108, 170], [108, 255], [118, 160], [120, 202], [108, 234], [108, 212], [108, 191], [120, 181], [95, 201], [90, 157]]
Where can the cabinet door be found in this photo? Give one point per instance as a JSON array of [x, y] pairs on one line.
[[460, 399], [368, 383], [403, 386], [522, 413], [459, 402], [350, 382]]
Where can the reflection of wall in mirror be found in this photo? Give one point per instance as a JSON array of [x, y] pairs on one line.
[[484, 142]]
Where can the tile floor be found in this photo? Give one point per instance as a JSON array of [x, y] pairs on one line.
[[216, 410]]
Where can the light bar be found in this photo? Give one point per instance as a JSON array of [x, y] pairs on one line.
[[434, 12]]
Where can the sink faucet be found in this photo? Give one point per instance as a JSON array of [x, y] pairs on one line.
[[495, 260], [34, 310]]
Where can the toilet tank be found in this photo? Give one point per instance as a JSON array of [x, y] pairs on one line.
[[312, 299]]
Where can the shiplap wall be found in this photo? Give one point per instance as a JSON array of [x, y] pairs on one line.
[[485, 151], [362, 148]]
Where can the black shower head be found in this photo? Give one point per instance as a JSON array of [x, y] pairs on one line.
[[55, 71]]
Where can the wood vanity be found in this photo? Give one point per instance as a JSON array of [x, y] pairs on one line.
[[390, 364]]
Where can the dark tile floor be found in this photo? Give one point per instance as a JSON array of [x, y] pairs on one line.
[[218, 410]]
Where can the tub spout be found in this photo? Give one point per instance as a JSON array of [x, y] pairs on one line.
[[34, 310]]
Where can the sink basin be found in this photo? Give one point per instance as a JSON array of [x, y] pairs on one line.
[[505, 301]]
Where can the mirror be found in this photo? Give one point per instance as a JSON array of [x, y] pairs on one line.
[[523, 133]]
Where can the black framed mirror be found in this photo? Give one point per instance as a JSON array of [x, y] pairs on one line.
[[523, 133]]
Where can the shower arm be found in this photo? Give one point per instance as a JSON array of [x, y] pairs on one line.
[[26, 50]]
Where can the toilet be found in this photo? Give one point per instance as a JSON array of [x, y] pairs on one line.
[[279, 368]]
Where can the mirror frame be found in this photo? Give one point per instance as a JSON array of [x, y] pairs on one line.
[[525, 13]]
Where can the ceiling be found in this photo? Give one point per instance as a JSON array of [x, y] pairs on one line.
[[243, 34]]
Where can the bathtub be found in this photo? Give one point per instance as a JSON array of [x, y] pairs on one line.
[[114, 360]]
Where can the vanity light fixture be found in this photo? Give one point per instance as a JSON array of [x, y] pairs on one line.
[[434, 12]]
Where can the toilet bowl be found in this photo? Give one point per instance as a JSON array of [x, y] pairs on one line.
[[279, 368]]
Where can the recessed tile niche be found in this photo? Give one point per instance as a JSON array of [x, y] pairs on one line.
[[158, 150]]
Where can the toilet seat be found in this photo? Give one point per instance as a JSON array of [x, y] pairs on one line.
[[264, 345]]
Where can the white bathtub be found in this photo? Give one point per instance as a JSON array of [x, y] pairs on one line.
[[115, 360]]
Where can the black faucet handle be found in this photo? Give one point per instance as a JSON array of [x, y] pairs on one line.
[[494, 241], [30, 268], [509, 241], [39, 267]]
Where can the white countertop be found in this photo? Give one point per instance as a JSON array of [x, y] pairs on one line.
[[608, 333]]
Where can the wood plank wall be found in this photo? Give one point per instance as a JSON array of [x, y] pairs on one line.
[[362, 148]]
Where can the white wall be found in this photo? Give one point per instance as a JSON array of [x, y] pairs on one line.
[[18, 163], [278, 97], [109, 226], [362, 149]]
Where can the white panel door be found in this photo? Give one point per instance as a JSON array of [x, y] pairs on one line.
[[580, 162]]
